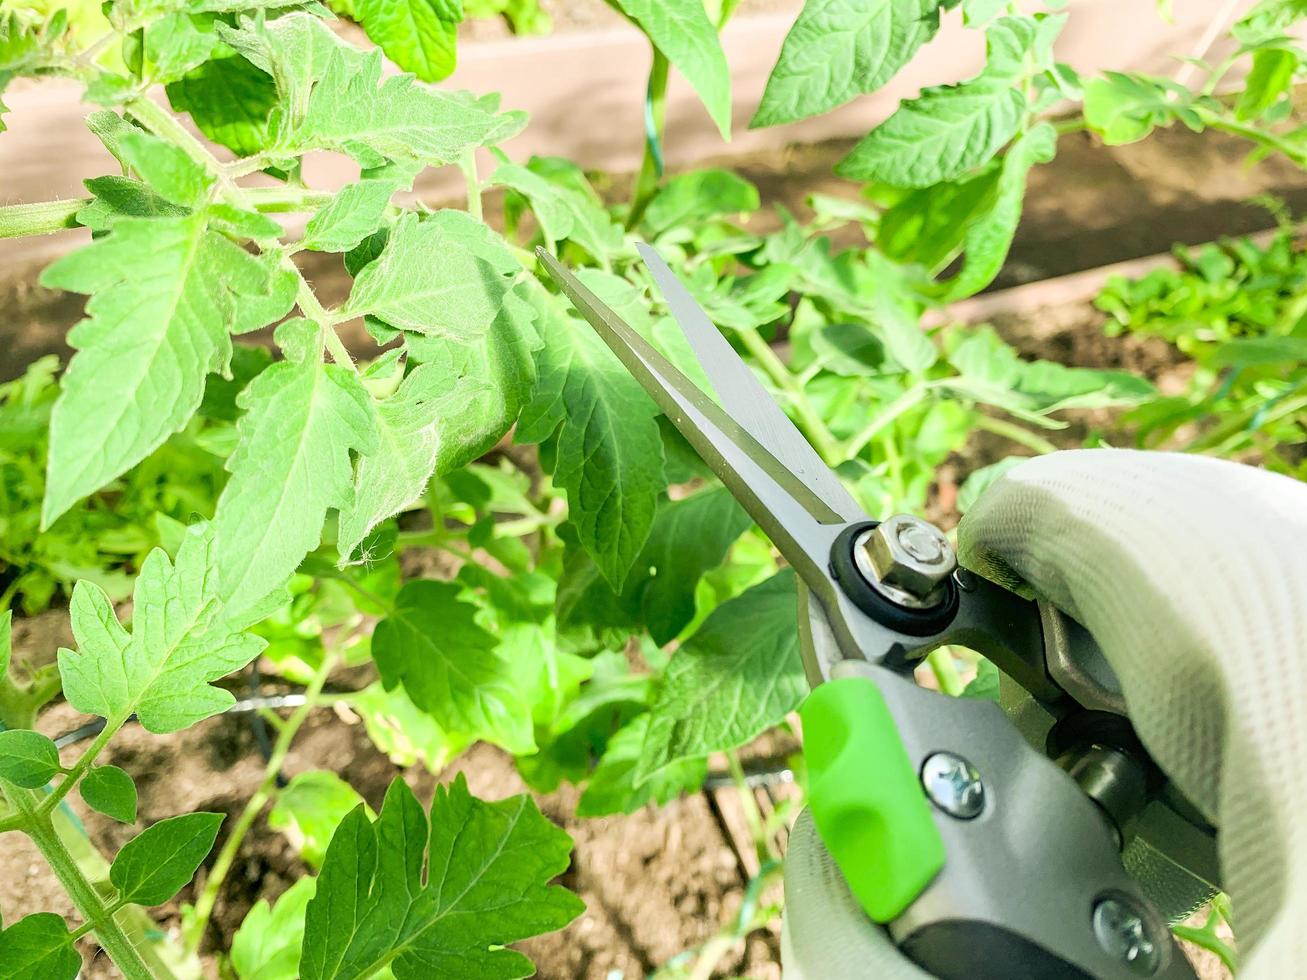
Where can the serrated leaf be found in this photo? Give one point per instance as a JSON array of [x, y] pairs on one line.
[[1268, 19], [978, 13], [946, 132], [157, 863], [403, 731], [1123, 108], [333, 98], [418, 35], [928, 226], [310, 808], [552, 205], [357, 209], [987, 241], [1270, 78], [117, 197], [612, 788], [433, 279], [27, 759], [180, 642], [488, 867], [700, 194], [302, 420], [738, 675], [432, 644], [230, 100], [689, 538], [109, 790], [985, 685], [610, 453], [175, 43], [38, 946], [267, 944], [165, 168], [681, 30], [839, 49], [980, 480], [564, 203], [164, 294]]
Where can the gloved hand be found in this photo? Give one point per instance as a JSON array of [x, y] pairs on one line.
[[1192, 575]]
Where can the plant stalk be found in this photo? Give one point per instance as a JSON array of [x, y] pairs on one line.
[[47, 217], [87, 900], [651, 167], [809, 420], [267, 790], [468, 164]]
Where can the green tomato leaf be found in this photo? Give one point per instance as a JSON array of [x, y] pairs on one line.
[[157, 863], [123, 197], [164, 295], [292, 463], [840, 49], [1124, 108], [180, 642], [939, 136], [109, 790], [552, 204], [267, 944], [175, 43], [985, 685], [1269, 19], [738, 675], [987, 241], [690, 198], [681, 30], [357, 209], [310, 808], [612, 787], [417, 35], [168, 170], [978, 13], [980, 480], [38, 946], [403, 731], [610, 453], [230, 101], [928, 226], [488, 867], [27, 759], [433, 278], [432, 644], [1271, 77], [689, 538], [331, 97], [449, 410]]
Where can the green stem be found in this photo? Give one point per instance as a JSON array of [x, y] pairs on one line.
[[79, 769], [90, 905], [752, 816], [903, 403], [468, 164], [809, 420], [646, 182], [21, 220], [1014, 432], [945, 671], [164, 124], [199, 922]]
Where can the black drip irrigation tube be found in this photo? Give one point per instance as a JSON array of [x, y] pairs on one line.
[[762, 774]]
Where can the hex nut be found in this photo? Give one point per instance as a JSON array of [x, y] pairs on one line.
[[910, 559]]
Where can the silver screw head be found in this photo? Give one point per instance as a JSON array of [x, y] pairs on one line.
[[1122, 930], [953, 785], [907, 559]]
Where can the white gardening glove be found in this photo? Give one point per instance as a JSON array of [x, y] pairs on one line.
[[1192, 575]]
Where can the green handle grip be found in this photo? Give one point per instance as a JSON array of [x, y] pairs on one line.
[[866, 799]]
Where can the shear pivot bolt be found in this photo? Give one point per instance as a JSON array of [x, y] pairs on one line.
[[953, 785], [907, 560], [1122, 931]]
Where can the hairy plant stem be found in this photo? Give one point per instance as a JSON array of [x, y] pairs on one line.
[[266, 792], [98, 916], [84, 763], [19, 702], [646, 182], [468, 164], [1015, 433], [163, 124]]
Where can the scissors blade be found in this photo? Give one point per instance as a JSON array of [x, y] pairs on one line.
[[743, 396], [799, 522]]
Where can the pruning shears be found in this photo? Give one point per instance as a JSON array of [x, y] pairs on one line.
[[988, 842]]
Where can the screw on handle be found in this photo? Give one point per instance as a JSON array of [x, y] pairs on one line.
[[866, 799]]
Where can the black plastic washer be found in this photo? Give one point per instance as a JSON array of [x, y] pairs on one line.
[[913, 622]]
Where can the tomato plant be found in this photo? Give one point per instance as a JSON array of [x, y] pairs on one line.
[[602, 611]]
